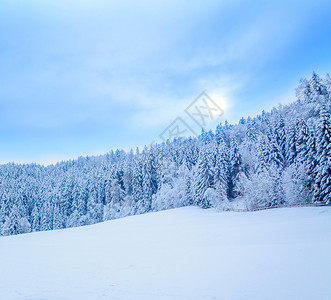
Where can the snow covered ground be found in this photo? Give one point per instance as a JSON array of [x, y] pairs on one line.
[[187, 253]]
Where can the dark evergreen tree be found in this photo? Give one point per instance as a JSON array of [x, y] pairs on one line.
[[322, 187]]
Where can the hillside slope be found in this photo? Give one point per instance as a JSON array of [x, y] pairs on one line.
[[187, 253]]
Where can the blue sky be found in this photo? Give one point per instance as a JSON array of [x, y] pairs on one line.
[[84, 77]]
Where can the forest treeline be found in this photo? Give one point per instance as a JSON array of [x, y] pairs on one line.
[[282, 157]]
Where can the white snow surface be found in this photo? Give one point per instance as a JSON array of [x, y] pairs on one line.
[[186, 253]]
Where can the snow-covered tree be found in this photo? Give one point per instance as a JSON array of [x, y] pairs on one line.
[[322, 186]]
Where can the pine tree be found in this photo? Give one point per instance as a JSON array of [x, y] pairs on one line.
[[58, 222], [302, 140], [137, 182], [291, 145], [222, 171], [311, 160], [280, 140], [322, 186], [149, 180], [201, 181], [46, 216], [235, 168], [35, 219]]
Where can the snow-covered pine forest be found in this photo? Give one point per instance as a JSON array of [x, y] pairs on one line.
[[282, 157]]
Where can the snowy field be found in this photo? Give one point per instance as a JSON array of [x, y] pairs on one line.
[[187, 253]]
